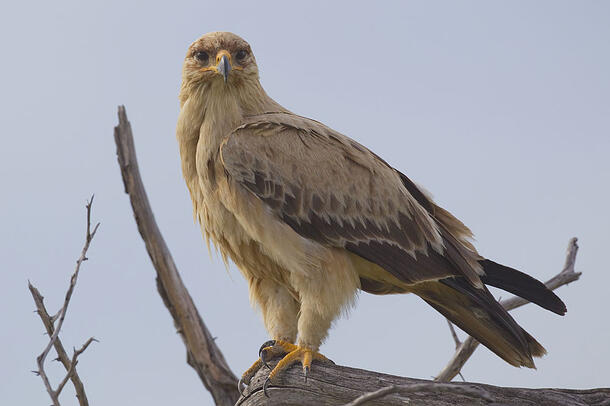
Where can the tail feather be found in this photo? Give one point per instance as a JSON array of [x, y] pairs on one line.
[[521, 284], [536, 349], [476, 312]]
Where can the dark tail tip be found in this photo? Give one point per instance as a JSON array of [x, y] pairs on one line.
[[522, 285]]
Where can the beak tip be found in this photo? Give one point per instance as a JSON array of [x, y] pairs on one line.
[[224, 67]]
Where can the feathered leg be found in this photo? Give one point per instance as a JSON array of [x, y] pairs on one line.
[[322, 297], [280, 311]]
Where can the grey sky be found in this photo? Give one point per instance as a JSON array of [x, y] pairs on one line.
[[500, 109]]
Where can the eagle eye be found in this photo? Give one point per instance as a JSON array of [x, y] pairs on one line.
[[241, 55], [202, 56]]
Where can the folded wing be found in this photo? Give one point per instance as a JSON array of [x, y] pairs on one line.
[[333, 190]]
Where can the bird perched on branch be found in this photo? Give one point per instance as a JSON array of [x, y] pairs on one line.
[[310, 217]]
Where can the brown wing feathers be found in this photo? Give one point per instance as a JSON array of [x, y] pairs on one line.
[[332, 190]]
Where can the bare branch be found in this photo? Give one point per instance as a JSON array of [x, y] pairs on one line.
[[336, 385], [467, 348], [202, 353], [421, 387], [454, 334], [40, 359], [379, 393], [53, 331], [73, 363]]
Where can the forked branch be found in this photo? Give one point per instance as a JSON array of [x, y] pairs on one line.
[[53, 329]]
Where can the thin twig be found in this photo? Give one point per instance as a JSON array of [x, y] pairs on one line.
[[54, 331], [73, 363], [457, 343], [421, 387], [62, 356], [454, 334], [468, 346], [202, 352]]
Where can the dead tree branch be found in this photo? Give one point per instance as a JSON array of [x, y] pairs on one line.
[[202, 352], [422, 387], [335, 385], [53, 331], [468, 346]]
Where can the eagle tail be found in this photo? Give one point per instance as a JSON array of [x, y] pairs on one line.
[[521, 284], [476, 312]]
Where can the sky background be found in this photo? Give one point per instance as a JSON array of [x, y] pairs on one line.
[[500, 109]]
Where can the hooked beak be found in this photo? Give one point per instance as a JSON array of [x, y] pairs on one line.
[[223, 64]]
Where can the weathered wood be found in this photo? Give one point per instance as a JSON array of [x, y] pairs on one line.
[[202, 353], [331, 385]]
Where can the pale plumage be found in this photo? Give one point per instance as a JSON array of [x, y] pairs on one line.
[[310, 216]]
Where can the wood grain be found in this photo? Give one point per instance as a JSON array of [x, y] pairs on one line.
[[331, 385]]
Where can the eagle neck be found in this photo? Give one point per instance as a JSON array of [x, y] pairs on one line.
[[224, 108]]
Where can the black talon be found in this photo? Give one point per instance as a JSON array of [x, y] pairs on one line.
[[264, 361], [266, 344], [240, 385], [306, 373], [261, 353], [265, 387]]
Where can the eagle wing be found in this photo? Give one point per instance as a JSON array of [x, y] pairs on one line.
[[332, 190]]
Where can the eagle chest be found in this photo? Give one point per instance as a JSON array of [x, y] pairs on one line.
[[218, 222], [223, 227]]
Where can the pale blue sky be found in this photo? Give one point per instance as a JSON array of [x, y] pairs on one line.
[[501, 109]]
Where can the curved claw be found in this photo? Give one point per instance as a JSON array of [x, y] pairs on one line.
[[306, 372], [240, 386], [265, 387], [261, 352], [265, 363], [269, 343]]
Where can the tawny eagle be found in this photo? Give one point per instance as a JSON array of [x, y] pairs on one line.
[[310, 217]]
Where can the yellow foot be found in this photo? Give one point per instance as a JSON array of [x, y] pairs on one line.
[[294, 354], [270, 349], [248, 375], [274, 348]]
